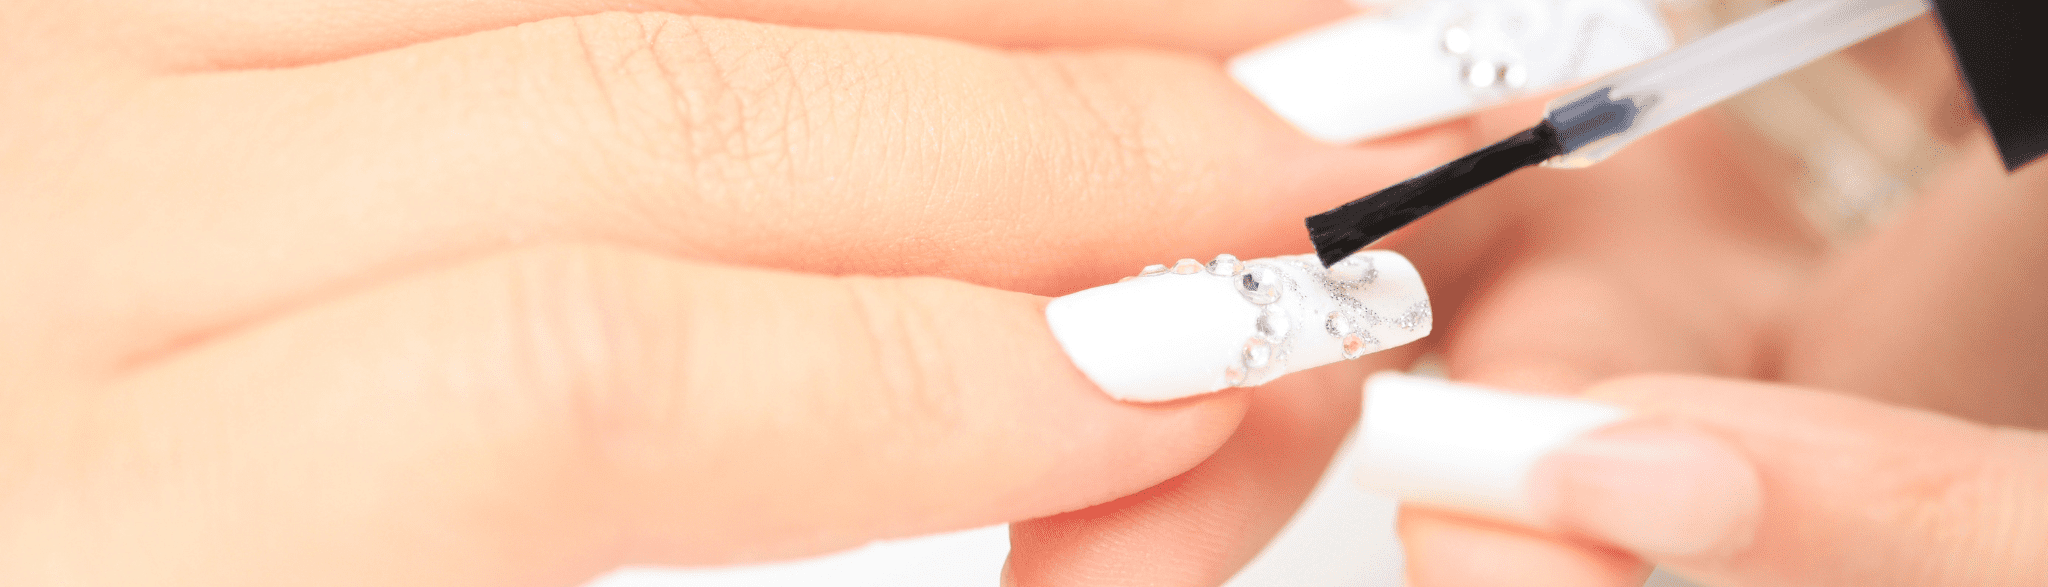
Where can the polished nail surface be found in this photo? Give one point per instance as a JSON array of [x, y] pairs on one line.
[[1651, 488], [1462, 447], [1228, 323], [1429, 60]]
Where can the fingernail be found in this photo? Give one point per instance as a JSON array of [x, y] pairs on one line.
[[1652, 489], [1556, 463], [1421, 62], [1190, 328], [1462, 447]]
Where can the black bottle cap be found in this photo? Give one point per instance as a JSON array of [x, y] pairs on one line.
[[2002, 48]]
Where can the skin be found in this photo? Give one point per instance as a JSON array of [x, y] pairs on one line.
[[511, 293], [514, 293]]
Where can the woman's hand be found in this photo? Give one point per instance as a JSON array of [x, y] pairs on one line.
[[509, 293], [1742, 484]]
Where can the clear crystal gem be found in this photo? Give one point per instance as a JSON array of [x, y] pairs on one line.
[[1125, 278], [1151, 270], [1273, 324], [1481, 73], [1225, 265], [1234, 375], [1457, 40], [1515, 75], [1356, 346], [1187, 267], [1338, 324], [1259, 284], [1257, 353]]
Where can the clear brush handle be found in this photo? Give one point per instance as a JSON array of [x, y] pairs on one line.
[[1608, 114]]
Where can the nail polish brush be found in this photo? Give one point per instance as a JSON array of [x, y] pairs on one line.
[[1587, 126]]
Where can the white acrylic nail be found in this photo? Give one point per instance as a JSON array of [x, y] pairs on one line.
[[1172, 334], [1463, 447], [1426, 61]]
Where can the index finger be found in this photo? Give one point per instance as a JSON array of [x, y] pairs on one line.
[[199, 35], [824, 151]]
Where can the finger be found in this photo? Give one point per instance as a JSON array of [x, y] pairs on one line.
[[1653, 263], [827, 152], [1445, 549], [1199, 528], [1853, 492], [1962, 336], [538, 417], [1673, 259], [193, 35]]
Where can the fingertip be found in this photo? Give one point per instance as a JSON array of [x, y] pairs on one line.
[[1448, 550]]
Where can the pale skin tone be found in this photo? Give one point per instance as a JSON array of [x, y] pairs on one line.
[[426, 292]]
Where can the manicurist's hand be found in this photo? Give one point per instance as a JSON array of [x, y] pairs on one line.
[[1743, 484], [1936, 312], [1681, 254], [508, 293]]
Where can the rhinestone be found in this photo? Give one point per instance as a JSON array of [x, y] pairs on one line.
[[1259, 284], [1355, 268], [1457, 40], [1356, 346], [1481, 73], [1272, 324], [1257, 353], [1151, 270], [1234, 375], [1515, 75], [1225, 265], [1187, 267], [1125, 278], [1338, 324]]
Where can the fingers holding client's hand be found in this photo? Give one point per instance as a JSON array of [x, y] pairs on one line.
[[1747, 484], [511, 293]]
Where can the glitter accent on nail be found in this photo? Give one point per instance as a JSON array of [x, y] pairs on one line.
[[1359, 345], [1415, 317], [1353, 271], [1187, 267], [1457, 40], [1257, 354], [1259, 284], [1338, 325], [1273, 324], [1225, 265]]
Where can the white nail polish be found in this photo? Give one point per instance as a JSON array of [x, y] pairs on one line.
[[1463, 447], [1427, 61], [1171, 334]]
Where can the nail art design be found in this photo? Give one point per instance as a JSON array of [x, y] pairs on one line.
[[1462, 447], [1199, 328], [1420, 62]]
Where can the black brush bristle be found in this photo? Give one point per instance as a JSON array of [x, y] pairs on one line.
[[1345, 229]]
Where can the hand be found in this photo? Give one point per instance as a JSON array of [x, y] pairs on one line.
[[1740, 484], [1928, 312], [510, 293], [1680, 254], [1674, 256]]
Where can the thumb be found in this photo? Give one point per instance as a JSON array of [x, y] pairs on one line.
[[1739, 483]]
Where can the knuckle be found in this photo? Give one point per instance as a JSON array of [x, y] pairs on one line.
[[907, 362], [575, 336], [722, 98], [1106, 118]]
